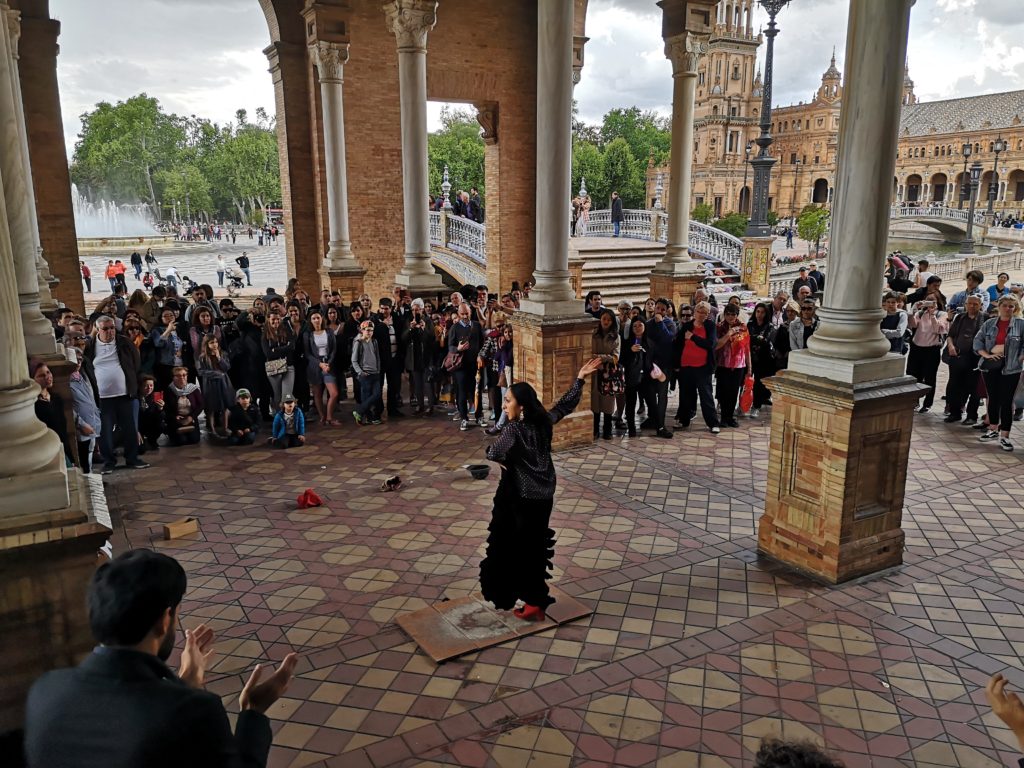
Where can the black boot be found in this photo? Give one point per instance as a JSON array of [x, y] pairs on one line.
[[606, 432], [597, 425]]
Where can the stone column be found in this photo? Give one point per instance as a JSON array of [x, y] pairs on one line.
[[843, 411], [411, 21], [553, 335], [340, 266], [20, 198]]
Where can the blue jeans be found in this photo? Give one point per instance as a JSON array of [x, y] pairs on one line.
[[615, 226], [370, 390], [248, 277], [465, 388]]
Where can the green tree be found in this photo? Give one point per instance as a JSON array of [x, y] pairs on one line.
[[733, 223], [773, 218], [643, 131], [588, 163], [622, 175], [812, 224], [703, 213], [458, 145], [186, 185], [122, 147]]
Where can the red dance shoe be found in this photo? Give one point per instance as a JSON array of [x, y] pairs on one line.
[[529, 613]]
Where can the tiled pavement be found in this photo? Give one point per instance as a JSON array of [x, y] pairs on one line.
[[694, 651]]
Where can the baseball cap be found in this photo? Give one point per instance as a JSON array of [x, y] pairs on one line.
[[288, 399], [243, 392]]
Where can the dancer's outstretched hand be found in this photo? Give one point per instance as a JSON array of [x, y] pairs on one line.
[[589, 367]]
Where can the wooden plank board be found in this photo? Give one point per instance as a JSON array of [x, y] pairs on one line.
[[454, 628]]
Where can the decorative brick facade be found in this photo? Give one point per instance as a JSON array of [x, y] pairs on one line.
[[549, 353], [836, 479], [678, 288]]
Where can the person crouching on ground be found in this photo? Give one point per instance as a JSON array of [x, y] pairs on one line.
[[243, 419], [183, 402], [289, 425]]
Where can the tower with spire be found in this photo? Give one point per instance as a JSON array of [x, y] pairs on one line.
[[831, 89], [909, 97]]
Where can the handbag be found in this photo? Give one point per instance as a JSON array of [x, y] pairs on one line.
[[276, 367], [452, 361], [990, 364], [611, 380], [747, 397]]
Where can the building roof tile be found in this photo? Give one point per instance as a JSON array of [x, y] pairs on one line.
[[972, 113]]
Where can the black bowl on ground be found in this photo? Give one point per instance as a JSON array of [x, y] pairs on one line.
[[479, 471]]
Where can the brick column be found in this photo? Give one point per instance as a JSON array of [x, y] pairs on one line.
[[843, 411], [289, 66]]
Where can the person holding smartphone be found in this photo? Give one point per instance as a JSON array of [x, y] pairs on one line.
[[420, 343], [929, 328]]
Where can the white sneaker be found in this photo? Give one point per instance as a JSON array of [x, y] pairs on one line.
[[715, 430], [755, 413], [989, 435], [1005, 444], [464, 426]]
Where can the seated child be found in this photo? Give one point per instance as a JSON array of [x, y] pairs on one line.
[[243, 419], [151, 413], [289, 428], [183, 402]]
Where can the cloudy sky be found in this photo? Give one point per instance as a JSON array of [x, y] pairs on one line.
[[204, 57]]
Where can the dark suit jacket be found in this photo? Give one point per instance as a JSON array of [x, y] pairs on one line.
[[125, 709]]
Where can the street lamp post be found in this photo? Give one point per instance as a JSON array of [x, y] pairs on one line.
[[993, 187], [792, 199], [965, 150], [967, 246], [758, 224], [745, 204]]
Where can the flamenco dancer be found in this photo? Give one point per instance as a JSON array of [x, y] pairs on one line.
[[520, 545]]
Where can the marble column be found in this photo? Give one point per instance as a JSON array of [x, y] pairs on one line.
[[340, 265], [684, 51], [553, 335], [843, 411], [46, 301], [849, 337], [553, 291], [20, 198], [411, 21]]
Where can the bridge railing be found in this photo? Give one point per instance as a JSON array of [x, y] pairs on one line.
[[463, 235], [936, 212]]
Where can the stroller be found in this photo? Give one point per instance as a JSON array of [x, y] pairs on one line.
[[236, 282]]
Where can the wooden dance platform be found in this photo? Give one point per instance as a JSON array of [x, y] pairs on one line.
[[454, 628]]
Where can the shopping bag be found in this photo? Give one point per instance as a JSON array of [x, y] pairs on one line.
[[747, 397]]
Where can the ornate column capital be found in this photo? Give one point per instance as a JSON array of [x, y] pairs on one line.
[[330, 60], [487, 116], [684, 51], [410, 21]]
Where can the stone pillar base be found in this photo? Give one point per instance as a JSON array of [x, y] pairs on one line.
[[349, 282], [423, 285], [755, 264], [675, 286], [44, 576], [838, 472], [549, 353]]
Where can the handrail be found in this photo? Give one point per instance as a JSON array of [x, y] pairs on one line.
[[464, 236], [905, 211]]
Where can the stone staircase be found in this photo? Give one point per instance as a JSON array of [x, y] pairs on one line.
[[621, 268]]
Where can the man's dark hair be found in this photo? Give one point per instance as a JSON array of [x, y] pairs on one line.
[[922, 263], [481, 288], [933, 279], [159, 292], [662, 302], [775, 753], [386, 302], [976, 275], [468, 292], [130, 593]]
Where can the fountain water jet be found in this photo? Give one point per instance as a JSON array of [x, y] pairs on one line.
[[107, 219]]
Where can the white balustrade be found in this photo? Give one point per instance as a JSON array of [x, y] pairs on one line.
[[436, 235], [467, 237]]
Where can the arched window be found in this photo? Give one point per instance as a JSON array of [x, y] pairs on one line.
[[977, 149], [936, 152], [991, 146], [714, 110]]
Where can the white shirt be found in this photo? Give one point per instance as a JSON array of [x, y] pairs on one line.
[[320, 339], [170, 272], [221, 265], [920, 278], [109, 375]]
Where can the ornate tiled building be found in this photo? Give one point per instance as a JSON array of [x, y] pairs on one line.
[[930, 163]]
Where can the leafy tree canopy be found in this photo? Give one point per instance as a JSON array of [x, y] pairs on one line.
[[812, 223], [459, 145], [733, 223], [703, 213]]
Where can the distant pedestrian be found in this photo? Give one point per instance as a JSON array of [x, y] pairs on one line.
[[259, 237], [789, 237], [221, 266], [243, 264], [111, 274], [137, 265], [234, 235], [617, 215], [87, 277], [250, 233], [150, 259]]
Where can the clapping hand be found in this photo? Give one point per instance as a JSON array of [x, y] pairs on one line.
[[589, 367], [259, 696], [1006, 706], [196, 657]]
